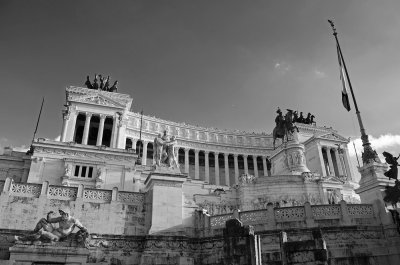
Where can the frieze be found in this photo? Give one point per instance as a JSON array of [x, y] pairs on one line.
[[197, 128], [123, 99], [83, 154]]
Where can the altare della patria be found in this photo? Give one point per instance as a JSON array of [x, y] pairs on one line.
[[121, 187]]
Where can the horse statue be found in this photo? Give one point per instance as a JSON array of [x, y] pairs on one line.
[[284, 126]]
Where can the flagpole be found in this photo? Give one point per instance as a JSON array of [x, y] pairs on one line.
[[30, 151], [139, 160], [369, 155]]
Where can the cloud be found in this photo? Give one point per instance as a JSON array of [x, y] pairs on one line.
[[282, 67], [319, 74], [387, 142]]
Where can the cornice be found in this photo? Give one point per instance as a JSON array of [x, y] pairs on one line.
[[76, 151], [98, 97], [199, 128]]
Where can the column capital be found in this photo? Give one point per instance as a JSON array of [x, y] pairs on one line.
[[187, 149], [245, 156], [216, 153], [206, 152], [88, 114], [226, 154], [103, 116], [235, 155], [196, 151]]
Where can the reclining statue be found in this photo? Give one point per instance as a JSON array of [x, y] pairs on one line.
[[46, 231]]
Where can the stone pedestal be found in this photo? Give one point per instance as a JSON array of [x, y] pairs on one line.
[[289, 160], [27, 254], [373, 182], [166, 200]]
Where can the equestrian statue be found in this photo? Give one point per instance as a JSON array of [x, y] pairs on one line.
[[284, 126]]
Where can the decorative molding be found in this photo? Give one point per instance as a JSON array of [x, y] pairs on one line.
[[98, 97], [83, 154]]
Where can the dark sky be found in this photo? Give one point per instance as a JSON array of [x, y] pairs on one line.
[[226, 64]]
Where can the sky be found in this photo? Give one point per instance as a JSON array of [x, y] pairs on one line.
[[227, 64]]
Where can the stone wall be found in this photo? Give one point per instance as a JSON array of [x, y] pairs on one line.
[[307, 216], [101, 211]]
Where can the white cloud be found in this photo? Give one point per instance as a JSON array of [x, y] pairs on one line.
[[282, 67], [387, 141], [319, 74]]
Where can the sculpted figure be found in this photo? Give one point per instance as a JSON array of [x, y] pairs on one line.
[[95, 85], [107, 84], [67, 170], [172, 152], [88, 84], [114, 87], [158, 149], [295, 116], [301, 118], [308, 119], [312, 119], [45, 230], [101, 82], [392, 161]]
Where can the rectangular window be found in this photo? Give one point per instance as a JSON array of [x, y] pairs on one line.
[[76, 173], [83, 172], [90, 172]]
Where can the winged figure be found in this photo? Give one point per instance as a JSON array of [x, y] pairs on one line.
[[392, 161]]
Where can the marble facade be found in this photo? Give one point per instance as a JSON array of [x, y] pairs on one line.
[[169, 216]]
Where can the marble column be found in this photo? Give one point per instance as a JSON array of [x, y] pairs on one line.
[[235, 161], [66, 116], [134, 142], [331, 168], [264, 159], [226, 156], [101, 129], [196, 164], [206, 167], [86, 129], [338, 162], [346, 159], [321, 160], [246, 167], [187, 160], [114, 133], [70, 134], [144, 157], [255, 166], [216, 168]]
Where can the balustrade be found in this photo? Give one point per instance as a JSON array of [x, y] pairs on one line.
[[358, 214]]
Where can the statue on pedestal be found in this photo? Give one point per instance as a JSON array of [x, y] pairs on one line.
[[166, 151], [284, 126], [392, 161], [45, 231]]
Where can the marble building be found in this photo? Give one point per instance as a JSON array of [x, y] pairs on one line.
[[302, 185]]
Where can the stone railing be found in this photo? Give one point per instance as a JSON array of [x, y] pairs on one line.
[[301, 216], [9, 188]]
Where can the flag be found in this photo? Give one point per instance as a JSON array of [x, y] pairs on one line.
[[345, 96]]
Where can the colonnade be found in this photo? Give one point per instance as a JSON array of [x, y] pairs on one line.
[[91, 129], [334, 163], [210, 166]]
